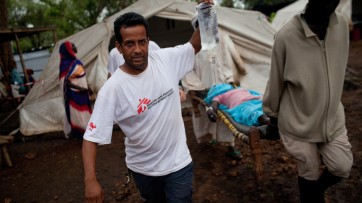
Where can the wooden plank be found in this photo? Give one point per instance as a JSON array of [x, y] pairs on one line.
[[6, 155]]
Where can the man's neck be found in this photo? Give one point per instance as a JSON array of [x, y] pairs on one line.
[[317, 25], [132, 71]]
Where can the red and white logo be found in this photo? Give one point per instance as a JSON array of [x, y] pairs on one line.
[[92, 126], [142, 106]]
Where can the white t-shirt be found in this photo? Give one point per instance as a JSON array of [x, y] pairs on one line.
[[148, 110], [116, 59]]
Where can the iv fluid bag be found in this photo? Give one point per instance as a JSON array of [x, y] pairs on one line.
[[208, 26]]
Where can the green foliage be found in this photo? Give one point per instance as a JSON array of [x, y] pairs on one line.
[[272, 16], [227, 3], [67, 16], [249, 4]]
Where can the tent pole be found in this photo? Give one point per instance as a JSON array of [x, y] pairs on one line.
[[21, 59]]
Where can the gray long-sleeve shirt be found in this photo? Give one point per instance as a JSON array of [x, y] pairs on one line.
[[306, 80]]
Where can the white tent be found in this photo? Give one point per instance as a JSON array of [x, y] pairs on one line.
[[43, 111], [285, 14]]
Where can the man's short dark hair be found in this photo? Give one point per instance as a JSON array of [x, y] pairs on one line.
[[128, 20]]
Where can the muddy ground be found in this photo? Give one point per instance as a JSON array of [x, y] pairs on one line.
[[48, 168]]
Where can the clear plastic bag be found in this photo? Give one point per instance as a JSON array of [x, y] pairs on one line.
[[208, 26]]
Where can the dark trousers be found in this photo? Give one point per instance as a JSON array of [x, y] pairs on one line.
[[174, 187]]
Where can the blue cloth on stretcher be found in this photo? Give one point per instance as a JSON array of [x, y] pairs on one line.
[[246, 113]]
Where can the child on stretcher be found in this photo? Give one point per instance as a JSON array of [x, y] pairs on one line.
[[243, 105]]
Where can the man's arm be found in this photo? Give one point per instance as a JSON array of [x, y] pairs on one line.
[[274, 89], [93, 190], [195, 40], [275, 85]]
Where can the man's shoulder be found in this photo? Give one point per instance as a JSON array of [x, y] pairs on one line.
[[290, 29], [114, 52], [114, 49], [153, 46], [291, 25], [341, 18], [110, 83], [176, 50]]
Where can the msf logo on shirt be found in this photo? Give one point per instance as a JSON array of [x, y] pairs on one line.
[[142, 106], [92, 126]]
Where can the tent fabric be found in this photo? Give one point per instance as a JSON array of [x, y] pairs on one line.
[[43, 111], [285, 14]]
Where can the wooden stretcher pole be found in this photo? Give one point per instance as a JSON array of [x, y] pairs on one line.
[[254, 139]]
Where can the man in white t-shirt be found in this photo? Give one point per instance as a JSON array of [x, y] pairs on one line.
[[142, 98], [115, 59]]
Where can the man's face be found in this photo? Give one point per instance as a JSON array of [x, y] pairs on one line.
[[323, 8], [134, 48]]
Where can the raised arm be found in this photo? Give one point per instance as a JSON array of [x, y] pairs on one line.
[[195, 40], [92, 188]]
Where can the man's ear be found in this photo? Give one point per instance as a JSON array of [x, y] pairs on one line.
[[118, 46]]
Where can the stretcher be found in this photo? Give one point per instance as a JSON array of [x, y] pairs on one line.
[[249, 135]]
